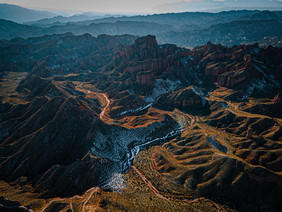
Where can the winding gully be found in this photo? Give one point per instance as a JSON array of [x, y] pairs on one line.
[[186, 121]]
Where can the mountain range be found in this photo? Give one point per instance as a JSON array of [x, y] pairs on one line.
[[162, 112], [128, 123], [183, 29], [217, 6], [20, 14]]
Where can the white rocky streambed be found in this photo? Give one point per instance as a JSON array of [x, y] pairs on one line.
[[121, 145], [124, 159]]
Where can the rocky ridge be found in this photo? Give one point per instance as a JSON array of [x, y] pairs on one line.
[[87, 107]]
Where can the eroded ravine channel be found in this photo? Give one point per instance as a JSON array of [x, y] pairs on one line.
[[136, 139], [139, 140]]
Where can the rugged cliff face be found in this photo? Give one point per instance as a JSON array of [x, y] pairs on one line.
[[78, 111]]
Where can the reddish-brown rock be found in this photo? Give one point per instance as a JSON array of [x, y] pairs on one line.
[[145, 78], [232, 78]]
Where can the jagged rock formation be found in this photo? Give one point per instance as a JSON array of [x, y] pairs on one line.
[[82, 108]]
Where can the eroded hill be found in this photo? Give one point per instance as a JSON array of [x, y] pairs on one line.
[[132, 125]]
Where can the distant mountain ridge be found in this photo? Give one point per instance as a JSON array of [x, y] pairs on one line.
[[264, 15], [179, 19], [218, 6], [19, 14], [183, 29], [63, 19], [231, 33]]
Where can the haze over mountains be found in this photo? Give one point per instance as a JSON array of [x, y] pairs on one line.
[[217, 6], [160, 112], [183, 29], [20, 14], [148, 6]]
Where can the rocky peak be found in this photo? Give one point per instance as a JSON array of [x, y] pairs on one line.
[[210, 47], [146, 41], [146, 47]]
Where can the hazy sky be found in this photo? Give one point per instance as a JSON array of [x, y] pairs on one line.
[[126, 6], [94, 5]]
